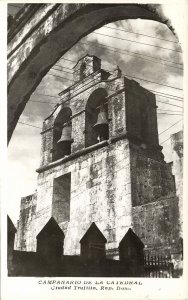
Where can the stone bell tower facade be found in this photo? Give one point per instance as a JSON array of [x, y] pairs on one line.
[[101, 162]]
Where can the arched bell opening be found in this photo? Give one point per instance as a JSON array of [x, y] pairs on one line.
[[96, 118], [62, 137]]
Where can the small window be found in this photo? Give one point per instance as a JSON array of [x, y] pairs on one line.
[[61, 198]]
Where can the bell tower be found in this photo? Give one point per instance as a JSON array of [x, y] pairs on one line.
[[101, 163], [86, 66]]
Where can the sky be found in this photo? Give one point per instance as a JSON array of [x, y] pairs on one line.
[[141, 48]]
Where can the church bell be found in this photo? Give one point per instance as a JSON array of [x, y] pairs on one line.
[[101, 126], [66, 134], [64, 143]]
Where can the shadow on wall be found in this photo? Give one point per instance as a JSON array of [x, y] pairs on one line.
[[49, 260]]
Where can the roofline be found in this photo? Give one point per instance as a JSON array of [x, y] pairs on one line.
[[84, 57]]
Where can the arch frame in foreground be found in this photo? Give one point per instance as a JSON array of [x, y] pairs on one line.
[[43, 33]]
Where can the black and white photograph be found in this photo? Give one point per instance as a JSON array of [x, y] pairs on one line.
[[95, 197]]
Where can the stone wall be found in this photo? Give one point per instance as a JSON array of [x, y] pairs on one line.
[[157, 225], [155, 208], [100, 193], [24, 235], [151, 177], [141, 117], [177, 169]]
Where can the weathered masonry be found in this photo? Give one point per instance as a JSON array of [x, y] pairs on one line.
[[177, 170], [101, 162]]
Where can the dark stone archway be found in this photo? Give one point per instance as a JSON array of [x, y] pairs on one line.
[[45, 32]]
